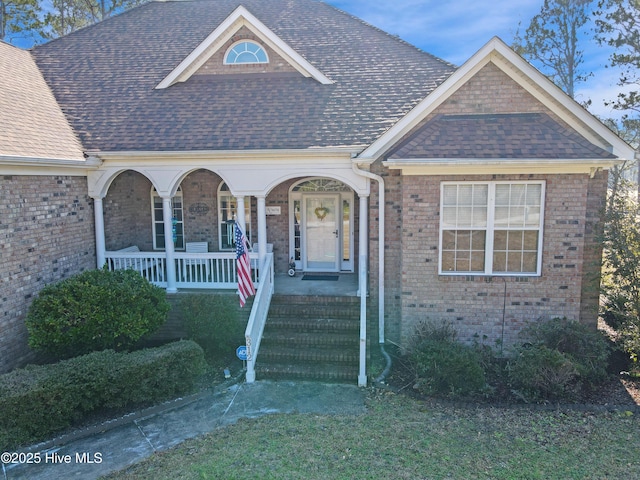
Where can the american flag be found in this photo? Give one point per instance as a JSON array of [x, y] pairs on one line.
[[245, 285]]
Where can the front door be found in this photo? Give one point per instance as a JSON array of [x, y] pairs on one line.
[[321, 217]]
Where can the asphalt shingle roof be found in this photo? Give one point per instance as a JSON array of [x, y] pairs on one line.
[[104, 77], [31, 123], [513, 136]]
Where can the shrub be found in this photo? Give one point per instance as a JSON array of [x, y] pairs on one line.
[[630, 340], [214, 322], [539, 373], [586, 347], [95, 310], [615, 310], [442, 365], [39, 400], [563, 358]]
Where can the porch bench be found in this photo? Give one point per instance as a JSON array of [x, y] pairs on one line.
[[196, 247], [138, 264]]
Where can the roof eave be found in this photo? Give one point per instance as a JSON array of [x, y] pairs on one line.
[[254, 154], [482, 57], [479, 166], [16, 165]]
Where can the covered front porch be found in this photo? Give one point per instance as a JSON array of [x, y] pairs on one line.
[[175, 225]]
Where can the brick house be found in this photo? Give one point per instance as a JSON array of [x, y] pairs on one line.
[[300, 121]]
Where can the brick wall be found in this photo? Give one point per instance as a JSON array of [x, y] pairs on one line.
[[278, 225], [592, 261], [127, 210], [392, 253], [46, 234], [495, 307], [477, 305]]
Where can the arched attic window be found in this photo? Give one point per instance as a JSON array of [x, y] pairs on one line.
[[245, 52]]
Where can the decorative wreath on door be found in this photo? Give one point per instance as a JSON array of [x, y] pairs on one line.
[[321, 212]]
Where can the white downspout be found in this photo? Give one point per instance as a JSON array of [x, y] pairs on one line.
[[363, 259], [381, 230]]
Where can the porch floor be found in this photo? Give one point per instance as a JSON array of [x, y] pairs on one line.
[[345, 286]]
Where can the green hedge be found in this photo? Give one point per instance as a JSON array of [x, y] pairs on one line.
[[95, 310], [441, 364], [215, 322], [38, 401]]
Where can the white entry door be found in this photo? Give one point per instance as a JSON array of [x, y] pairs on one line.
[[321, 239]]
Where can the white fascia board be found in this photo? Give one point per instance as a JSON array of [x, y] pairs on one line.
[[548, 94], [239, 18], [228, 155], [498, 166], [17, 165], [557, 96]]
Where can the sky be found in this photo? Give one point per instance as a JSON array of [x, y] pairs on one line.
[[456, 29]]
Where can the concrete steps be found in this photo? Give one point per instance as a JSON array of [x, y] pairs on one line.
[[311, 338]]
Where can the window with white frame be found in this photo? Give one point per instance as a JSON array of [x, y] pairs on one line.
[[245, 51], [491, 228], [177, 221], [227, 211]]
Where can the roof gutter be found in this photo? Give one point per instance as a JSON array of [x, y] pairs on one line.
[[17, 164]]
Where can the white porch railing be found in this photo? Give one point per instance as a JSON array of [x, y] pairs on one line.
[[258, 317], [193, 270], [151, 265]]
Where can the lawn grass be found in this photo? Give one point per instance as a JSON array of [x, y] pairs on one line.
[[400, 437]]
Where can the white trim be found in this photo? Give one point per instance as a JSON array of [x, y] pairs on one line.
[[280, 154], [497, 52], [480, 166], [345, 195], [239, 18], [18, 165]]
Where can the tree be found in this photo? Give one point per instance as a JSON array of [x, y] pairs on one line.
[[18, 18], [618, 25], [67, 16], [621, 273], [551, 41]]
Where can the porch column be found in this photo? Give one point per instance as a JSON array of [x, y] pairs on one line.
[[167, 215], [363, 258], [240, 214], [262, 229], [98, 214]]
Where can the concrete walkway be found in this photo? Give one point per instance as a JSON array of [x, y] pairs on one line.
[[94, 452]]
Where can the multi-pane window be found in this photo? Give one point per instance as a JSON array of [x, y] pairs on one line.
[[491, 228], [177, 221], [227, 212]]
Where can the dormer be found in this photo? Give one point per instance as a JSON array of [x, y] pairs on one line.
[[242, 44]]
